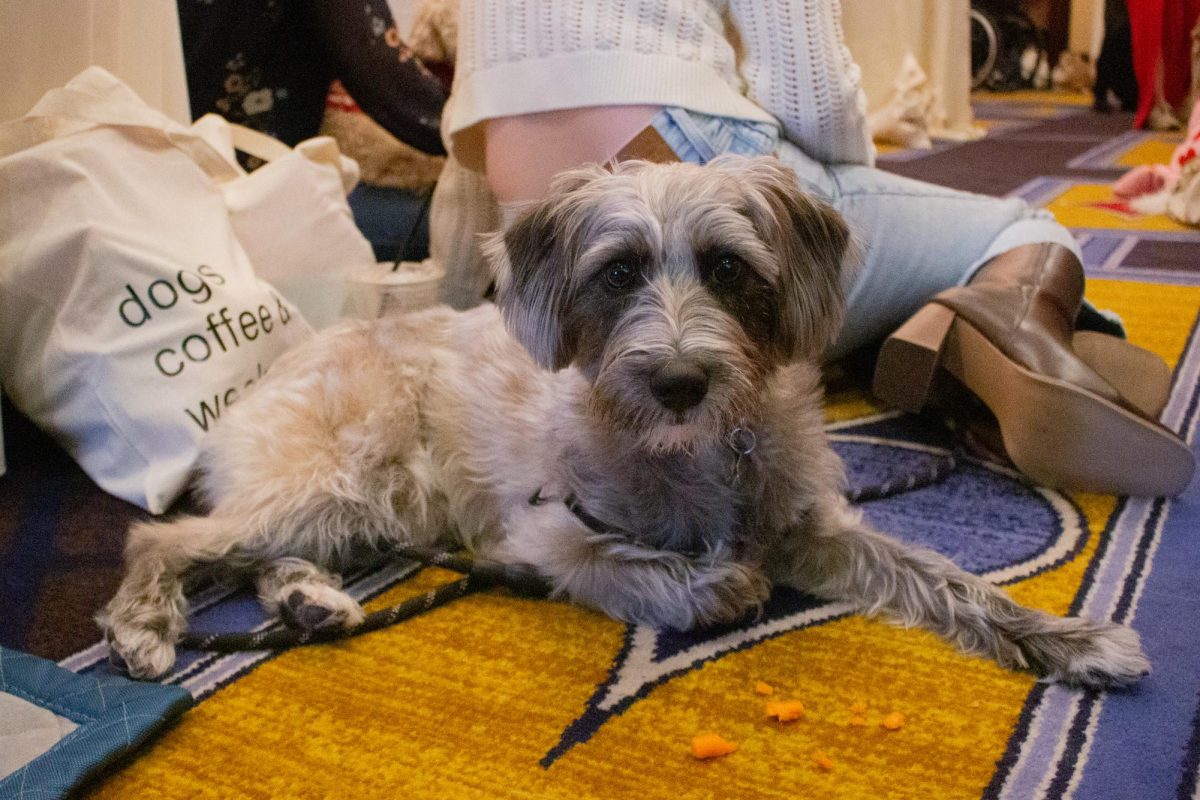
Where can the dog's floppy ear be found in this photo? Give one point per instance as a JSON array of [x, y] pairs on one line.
[[531, 262], [813, 244], [531, 285]]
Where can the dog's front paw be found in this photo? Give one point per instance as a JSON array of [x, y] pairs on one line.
[[661, 588], [1087, 654], [699, 594], [144, 653], [726, 592], [141, 632]]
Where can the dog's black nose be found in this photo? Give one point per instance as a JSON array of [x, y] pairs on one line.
[[679, 385]]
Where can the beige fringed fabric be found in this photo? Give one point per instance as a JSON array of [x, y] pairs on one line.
[[462, 209]]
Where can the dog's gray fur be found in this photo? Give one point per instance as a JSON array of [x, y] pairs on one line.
[[437, 428]]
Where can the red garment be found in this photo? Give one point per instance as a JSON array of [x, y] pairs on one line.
[[1161, 31]]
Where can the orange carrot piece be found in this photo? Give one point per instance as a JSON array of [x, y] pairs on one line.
[[764, 688], [823, 761], [858, 721], [893, 721], [711, 745], [785, 710]]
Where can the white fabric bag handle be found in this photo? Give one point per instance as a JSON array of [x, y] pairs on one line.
[[319, 149], [225, 137], [111, 105], [71, 104], [257, 144]]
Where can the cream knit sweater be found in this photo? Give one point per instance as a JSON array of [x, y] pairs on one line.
[[765, 60]]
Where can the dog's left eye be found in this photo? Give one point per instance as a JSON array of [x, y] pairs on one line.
[[619, 275], [727, 270]]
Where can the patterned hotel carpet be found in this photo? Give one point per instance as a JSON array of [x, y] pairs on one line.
[[495, 696]]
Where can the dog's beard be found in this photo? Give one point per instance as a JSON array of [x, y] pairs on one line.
[[655, 429], [622, 400]]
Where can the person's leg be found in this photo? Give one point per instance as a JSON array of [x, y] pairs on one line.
[[1020, 285], [1009, 285], [916, 239]]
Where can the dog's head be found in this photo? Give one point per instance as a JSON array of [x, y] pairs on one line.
[[675, 288]]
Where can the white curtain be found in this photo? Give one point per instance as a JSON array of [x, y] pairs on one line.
[[45, 44], [888, 39]]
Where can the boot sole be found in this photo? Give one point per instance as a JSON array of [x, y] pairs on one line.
[[1056, 433], [1140, 376]]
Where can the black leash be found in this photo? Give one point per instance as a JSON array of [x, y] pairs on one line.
[[479, 574], [936, 472]]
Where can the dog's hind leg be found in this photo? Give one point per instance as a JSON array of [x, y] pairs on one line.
[[306, 596], [840, 557]]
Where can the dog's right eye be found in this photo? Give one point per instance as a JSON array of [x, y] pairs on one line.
[[619, 275]]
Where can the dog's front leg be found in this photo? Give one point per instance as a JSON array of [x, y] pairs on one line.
[[837, 555], [148, 613], [628, 581]]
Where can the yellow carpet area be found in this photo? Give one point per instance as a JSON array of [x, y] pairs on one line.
[[468, 700]]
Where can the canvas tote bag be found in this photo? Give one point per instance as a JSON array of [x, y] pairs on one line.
[[130, 315], [292, 217]]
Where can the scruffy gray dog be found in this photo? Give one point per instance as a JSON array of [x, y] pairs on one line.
[[647, 434]]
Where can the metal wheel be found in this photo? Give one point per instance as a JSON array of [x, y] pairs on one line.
[[985, 47]]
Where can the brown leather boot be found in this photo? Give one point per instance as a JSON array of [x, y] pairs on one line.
[[1008, 336]]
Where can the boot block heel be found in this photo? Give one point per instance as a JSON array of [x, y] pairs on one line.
[[909, 358]]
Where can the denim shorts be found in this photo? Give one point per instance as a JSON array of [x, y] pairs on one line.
[[699, 138]]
